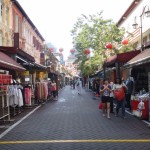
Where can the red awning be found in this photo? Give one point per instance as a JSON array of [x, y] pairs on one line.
[[8, 62], [142, 58], [121, 58]]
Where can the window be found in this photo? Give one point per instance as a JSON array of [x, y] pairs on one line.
[[7, 15], [16, 23], [1, 10], [0, 38]]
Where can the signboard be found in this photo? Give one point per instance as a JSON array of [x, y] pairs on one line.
[[42, 59], [45, 76], [26, 73], [41, 75]]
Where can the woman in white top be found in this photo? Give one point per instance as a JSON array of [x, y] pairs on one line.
[[121, 103], [79, 86]]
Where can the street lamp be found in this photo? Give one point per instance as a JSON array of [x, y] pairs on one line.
[[147, 14]]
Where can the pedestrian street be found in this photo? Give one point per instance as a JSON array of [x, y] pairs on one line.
[[74, 122]]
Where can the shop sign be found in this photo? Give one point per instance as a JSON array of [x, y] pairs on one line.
[[45, 76], [42, 59], [26, 73], [41, 75]]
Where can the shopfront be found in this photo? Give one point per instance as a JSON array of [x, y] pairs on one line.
[[140, 71], [8, 72], [114, 64]]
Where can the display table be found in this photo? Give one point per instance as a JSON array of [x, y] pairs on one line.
[[136, 111]]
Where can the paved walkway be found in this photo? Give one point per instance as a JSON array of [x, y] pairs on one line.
[[74, 122]]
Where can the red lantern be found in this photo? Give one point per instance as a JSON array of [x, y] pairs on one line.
[[125, 42], [109, 46], [72, 51], [86, 51], [61, 49]]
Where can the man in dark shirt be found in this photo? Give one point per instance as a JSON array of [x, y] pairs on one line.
[[129, 84]]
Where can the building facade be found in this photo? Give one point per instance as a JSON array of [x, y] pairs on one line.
[[5, 23], [131, 21], [30, 39]]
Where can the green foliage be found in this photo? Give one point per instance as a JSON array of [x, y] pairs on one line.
[[94, 32]]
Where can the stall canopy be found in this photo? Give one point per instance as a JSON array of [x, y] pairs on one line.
[[8, 62], [121, 58], [40, 66], [18, 52], [142, 58]]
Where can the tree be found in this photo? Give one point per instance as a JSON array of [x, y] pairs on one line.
[[94, 32]]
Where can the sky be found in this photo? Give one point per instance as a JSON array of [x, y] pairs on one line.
[[55, 18]]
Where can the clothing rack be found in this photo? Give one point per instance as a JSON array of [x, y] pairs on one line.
[[15, 99], [5, 80], [41, 91]]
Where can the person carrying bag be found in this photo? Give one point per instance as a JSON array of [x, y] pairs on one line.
[[119, 93]]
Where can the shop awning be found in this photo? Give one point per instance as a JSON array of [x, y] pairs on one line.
[[8, 62], [21, 59], [40, 66], [121, 58], [20, 52], [142, 58]]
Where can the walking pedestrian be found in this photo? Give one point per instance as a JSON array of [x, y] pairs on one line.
[[111, 98], [97, 86], [119, 103], [100, 85], [74, 83], [79, 86], [105, 90], [54, 88]]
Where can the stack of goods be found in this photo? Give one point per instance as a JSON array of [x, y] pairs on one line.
[[5, 80]]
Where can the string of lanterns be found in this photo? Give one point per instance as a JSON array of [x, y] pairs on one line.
[[110, 46]]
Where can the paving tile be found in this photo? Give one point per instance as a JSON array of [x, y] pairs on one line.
[[75, 117]]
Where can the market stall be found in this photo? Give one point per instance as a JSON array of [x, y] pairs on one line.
[[140, 106]]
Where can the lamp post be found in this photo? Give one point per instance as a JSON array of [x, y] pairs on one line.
[[147, 14]]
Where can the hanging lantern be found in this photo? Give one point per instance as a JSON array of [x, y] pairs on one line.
[[109, 46], [61, 50], [87, 51], [125, 42], [72, 51]]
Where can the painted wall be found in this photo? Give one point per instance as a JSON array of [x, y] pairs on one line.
[[29, 40], [5, 23], [134, 16]]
